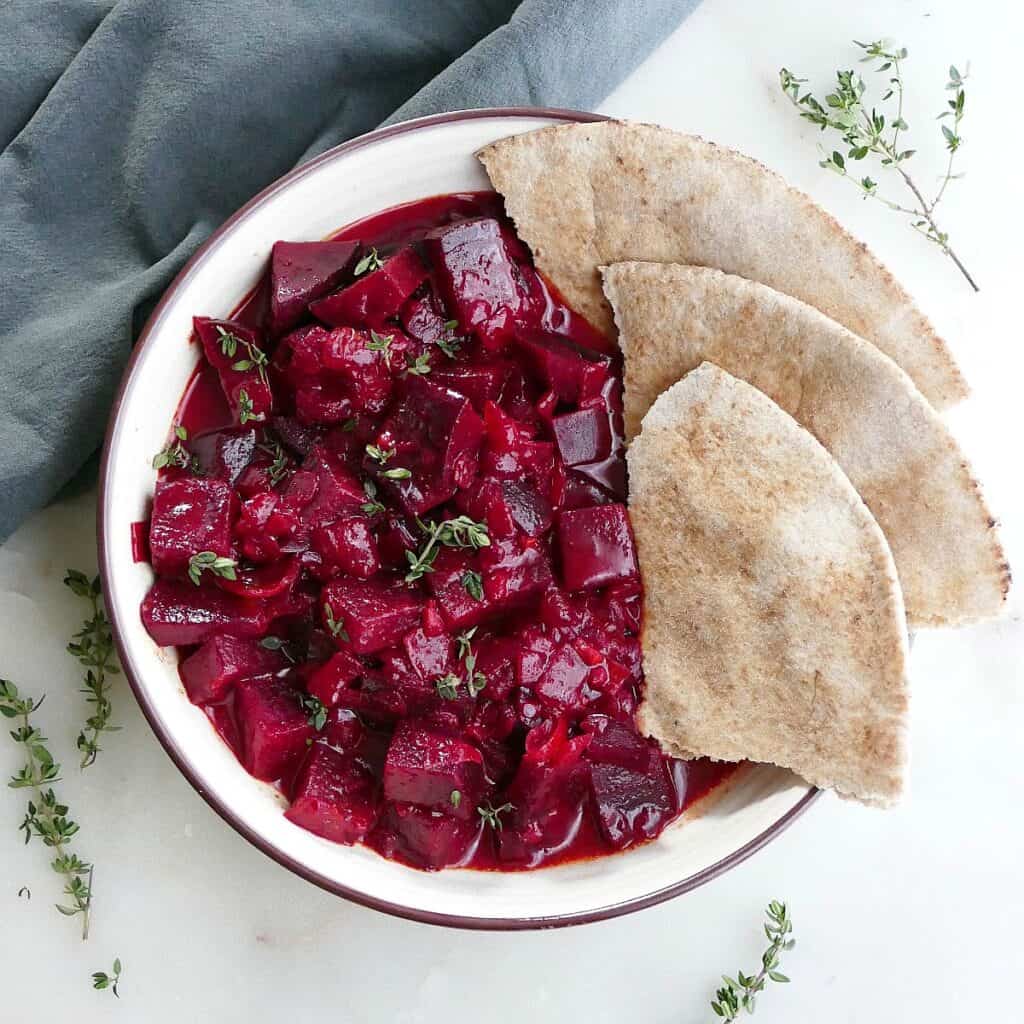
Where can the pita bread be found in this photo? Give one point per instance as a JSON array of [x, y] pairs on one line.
[[773, 622], [888, 440], [583, 195]]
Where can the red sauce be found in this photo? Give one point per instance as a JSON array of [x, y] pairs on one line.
[[559, 579]]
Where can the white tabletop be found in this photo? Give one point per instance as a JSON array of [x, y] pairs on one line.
[[907, 915]]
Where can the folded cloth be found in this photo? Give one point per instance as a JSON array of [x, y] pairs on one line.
[[132, 129]]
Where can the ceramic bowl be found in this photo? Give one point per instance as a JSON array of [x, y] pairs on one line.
[[404, 162]]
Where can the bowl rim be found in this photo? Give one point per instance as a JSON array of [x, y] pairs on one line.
[[168, 742]]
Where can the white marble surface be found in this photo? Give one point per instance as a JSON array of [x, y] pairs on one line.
[[903, 916]]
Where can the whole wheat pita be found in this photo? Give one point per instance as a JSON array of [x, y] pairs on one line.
[[583, 195], [774, 628], [889, 441]]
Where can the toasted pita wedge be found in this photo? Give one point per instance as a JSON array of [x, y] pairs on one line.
[[583, 195], [858, 403], [774, 628]]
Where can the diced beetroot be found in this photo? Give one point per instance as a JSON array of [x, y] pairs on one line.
[[547, 796], [515, 569], [295, 436], [596, 546], [364, 371], [236, 352], [348, 545], [345, 731], [479, 382], [223, 454], [190, 514], [436, 436], [328, 680], [565, 367], [450, 584], [300, 355], [335, 796], [434, 840], [632, 805], [429, 656], [424, 766], [376, 296], [223, 660], [423, 319], [496, 660], [273, 726], [477, 277], [609, 477], [301, 272], [583, 436], [374, 698], [176, 613], [566, 682], [264, 581], [611, 742], [396, 537], [324, 404], [331, 490], [375, 614]]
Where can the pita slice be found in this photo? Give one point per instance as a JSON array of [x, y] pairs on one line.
[[889, 441], [583, 195], [773, 622]]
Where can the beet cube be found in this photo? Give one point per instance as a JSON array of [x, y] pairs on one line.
[[328, 680], [376, 296], [515, 569], [477, 276], [596, 546], [374, 613], [223, 454], [263, 581], [565, 684], [583, 436], [236, 353], [335, 796], [432, 839], [190, 514], [348, 545], [564, 367], [479, 382], [453, 588], [429, 656], [221, 661], [301, 272], [615, 743], [330, 490], [423, 319], [176, 613], [273, 726], [424, 766], [436, 436], [632, 805]]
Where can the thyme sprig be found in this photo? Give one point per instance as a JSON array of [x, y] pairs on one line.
[[450, 343], [460, 532], [740, 993], [371, 506], [255, 357], [336, 627], [867, 131], [101, 980], [176, 454], [93, 646], [278, 468], [210, 561], [475, 681], [371, 261], [420, 366], [492, 815], [46, 818], [246, 410]]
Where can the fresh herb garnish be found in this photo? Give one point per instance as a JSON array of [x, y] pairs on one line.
[[379, 454], [473, 584], [228, 342], [93, 646], [456, 798], [398, 473], [279, 467], [372, 506], [275, 643], [349, 425], [379, 342], [460, 532], [492, 815], [739, 993], [316, 712], [448, 686], [870, 132], [46, 817], [337, 628], [420, 366], [255, 356], [371, 261], [176, 454], [449, 343], [245, 407], [210, 561], [475, 681], [102, 980]]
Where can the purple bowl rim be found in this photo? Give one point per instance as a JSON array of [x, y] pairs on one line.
[[178, 756]]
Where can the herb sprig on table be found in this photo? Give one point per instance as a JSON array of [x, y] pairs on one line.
[[101, 980], [871, 130], [46, 818], [93, 646], [740, 993]]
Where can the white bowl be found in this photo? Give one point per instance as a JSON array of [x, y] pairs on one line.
[[394, 165]]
